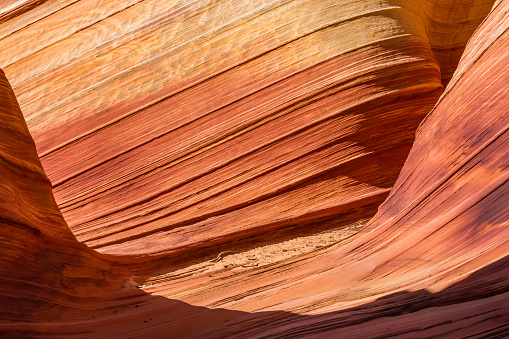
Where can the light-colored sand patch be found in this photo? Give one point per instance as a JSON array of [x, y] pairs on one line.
[[241, 260]]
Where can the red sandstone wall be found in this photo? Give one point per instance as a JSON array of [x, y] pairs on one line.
[[44, 268], [168, 125], [432, 262]]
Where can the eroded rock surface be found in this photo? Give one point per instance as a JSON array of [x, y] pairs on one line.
[[432, 262], [44, 268], [169, 125]]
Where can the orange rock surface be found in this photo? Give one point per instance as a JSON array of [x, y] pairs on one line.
[[169, 125], [294, 118]]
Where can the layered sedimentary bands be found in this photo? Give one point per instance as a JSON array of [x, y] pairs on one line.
[[171, 131], [165, 125]]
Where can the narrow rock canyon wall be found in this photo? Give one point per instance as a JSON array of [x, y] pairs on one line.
[[195, 124], [44, 268]]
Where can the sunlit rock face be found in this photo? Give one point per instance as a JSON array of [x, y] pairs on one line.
[[283, 135], [165, 125]]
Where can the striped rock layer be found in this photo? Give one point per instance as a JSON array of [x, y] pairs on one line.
[[432, 262], [43, 265], [170, 125]]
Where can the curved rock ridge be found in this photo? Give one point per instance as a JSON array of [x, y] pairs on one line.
[[170, 125], [42, 262], [434, 261], [46, 275]]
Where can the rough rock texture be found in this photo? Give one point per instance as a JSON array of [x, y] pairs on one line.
[[432, 262], [165, 125]]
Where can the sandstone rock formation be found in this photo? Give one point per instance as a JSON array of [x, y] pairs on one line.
[[42, 262], [286, 131], [169, 125]]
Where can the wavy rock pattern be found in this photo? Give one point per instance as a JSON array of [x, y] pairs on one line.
[[170, 125], [432, 262], [42, 262]]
